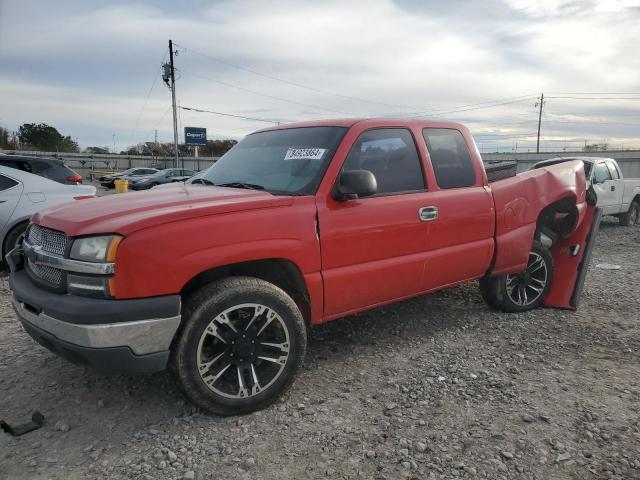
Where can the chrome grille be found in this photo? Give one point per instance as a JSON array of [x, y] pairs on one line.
[[50, 275], [50, 240]]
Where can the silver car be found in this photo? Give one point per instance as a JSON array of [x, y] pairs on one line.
[[22, 194]]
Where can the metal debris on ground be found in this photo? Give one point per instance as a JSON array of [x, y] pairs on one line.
[[608, 266], [37, 419]]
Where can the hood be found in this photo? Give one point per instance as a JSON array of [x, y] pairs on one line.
[[126, 213]]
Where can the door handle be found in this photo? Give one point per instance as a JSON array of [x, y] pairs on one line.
[[613, 188], [428, 214]]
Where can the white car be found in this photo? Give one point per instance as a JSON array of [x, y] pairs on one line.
[[22, 194], [617, 195]]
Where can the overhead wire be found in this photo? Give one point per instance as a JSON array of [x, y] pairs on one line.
[[146, 100], [289, 82], [254, 92], [200, 110]]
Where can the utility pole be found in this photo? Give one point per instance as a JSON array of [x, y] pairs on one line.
[[114, 142], [540, 103], [169, 78]]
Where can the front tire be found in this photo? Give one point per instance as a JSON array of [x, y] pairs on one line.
[[522, 291], [14, 238], [632, 217], [242, 343]]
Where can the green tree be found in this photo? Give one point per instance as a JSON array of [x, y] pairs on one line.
[[45, 137], [217, 148]]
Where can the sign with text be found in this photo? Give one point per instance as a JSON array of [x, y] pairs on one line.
[[195, 136]]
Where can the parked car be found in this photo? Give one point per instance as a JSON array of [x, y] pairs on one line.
[[50, 168], [295, 226], [617, 195], [22, 194], [131, 174], [163, 176]]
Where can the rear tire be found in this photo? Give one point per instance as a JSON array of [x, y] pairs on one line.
[[240, 347], [522, 291], [632, 217]]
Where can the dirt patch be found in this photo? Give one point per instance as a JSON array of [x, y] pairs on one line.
[[435, 387]]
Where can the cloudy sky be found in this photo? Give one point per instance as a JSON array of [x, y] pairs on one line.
[[91, 68]]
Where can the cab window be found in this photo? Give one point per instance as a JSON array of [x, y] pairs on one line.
[[450, 157], [391, 155]]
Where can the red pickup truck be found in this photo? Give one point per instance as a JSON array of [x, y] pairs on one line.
[[221, 278]]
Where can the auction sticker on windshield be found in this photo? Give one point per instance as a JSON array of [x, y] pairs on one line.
[[304, 153]]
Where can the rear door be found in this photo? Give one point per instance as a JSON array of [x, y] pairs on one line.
[[617, 185], [604, 187], [10, 192], [461, 239]]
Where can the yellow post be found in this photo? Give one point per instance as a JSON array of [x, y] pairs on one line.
[[122, 186]]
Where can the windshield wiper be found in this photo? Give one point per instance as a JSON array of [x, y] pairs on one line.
[[204, 181], [248, 186]]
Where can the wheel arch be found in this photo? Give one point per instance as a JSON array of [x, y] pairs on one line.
[[556, 220], [281, 272]]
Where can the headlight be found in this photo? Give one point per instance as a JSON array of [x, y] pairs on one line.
[[95, 249]]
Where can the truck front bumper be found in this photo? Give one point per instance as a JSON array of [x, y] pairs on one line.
[[115, 336]]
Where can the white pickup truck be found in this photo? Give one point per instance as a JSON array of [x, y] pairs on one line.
[[616, 195]]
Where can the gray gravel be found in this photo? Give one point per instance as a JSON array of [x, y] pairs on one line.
[[437, 387]]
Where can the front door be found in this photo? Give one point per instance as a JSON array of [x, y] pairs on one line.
[[373, 248]]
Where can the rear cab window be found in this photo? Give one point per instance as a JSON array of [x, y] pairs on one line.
[[601, 173], [615, 175], [450, 158]]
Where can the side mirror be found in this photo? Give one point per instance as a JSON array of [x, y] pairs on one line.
[[355, 184]]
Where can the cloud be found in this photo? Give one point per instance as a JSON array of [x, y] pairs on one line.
[[88, 67]]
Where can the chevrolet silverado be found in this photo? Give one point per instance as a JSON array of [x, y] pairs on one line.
[[297, 225]]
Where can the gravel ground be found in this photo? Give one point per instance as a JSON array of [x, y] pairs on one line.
[[431, 388]]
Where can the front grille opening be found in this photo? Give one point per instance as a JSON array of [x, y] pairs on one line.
[[51, 241], [47, 274], [32, 309]]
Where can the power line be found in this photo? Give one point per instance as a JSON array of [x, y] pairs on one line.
[[473, 106], [294, 84], [199, 110], [506, 135], [146, 100], [158, 122], [595, 93], [264, 94], [599, 98], [591, 121]]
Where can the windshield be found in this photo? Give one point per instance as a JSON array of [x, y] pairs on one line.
[[289, 161]]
